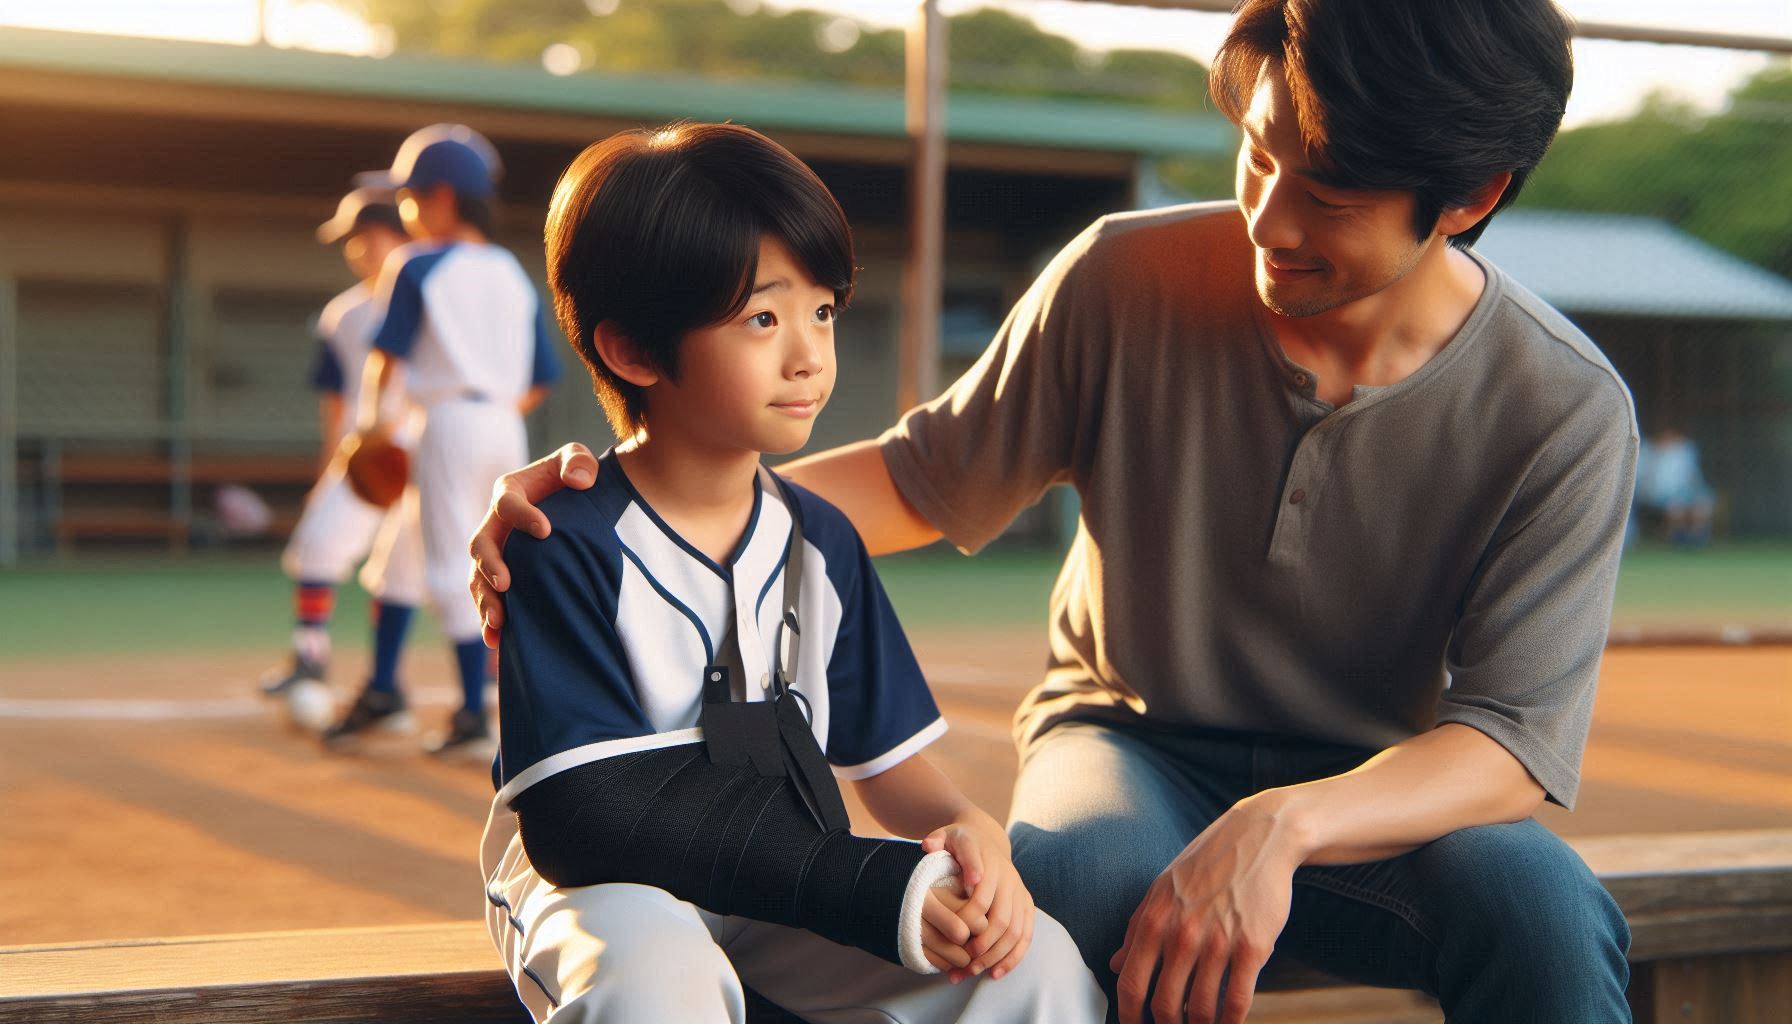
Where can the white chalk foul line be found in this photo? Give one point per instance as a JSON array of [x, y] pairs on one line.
[[249, 706], [132, 710], [175, 710]]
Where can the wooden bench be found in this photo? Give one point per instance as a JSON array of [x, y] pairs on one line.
[[158, 515], [1710, 917]]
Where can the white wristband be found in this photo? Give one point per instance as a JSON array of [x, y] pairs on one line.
[[935, 870]]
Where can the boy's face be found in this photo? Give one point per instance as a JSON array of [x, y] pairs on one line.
[[1318, 247], [427, 213], [366, 250], [758, 379]]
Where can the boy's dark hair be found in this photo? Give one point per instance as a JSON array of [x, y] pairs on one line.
[[1434, 97], [476, 212], [657, 232]]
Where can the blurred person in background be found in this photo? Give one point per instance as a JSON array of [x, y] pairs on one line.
[[1670, 486]]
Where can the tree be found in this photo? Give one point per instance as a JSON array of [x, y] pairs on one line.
[[1724, 177], [992, 51]]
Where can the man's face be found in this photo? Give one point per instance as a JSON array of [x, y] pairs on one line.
[[1318, 247]]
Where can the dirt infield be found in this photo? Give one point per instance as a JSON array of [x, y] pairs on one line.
[[156, 796]]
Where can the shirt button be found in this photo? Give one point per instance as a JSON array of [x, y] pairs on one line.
[[765, 681], [1297, 497], [1300, 380]]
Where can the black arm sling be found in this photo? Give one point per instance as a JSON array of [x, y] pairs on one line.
[[749, 821]]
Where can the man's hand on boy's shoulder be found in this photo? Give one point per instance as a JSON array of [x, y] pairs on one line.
[[513, 507], [999, 911]]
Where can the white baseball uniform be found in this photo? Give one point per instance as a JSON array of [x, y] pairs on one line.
[[338, 529], [475, 337]]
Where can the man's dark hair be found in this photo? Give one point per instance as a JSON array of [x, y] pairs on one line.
[[1434, 97], [657, 232]]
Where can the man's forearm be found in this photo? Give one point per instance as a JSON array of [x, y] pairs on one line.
[[855, 480], [1438, 782]]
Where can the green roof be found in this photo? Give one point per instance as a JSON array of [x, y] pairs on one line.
[[791, 106]]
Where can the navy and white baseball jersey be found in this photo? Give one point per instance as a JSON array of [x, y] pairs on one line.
[[468, 320], [610, 621], [344, 334]]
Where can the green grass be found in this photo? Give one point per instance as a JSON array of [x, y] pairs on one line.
[[238, 601], [1747, 583]]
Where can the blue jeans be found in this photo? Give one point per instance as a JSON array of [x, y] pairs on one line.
[[1501, 923]]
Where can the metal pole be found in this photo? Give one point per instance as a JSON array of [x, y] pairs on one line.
[[9, 422], [922, 271], [178, 344]]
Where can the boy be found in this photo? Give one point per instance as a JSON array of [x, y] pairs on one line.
[[337, 528], [698, 270], [461, 316]]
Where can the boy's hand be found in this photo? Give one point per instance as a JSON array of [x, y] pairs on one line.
[[997, 896], [944, 933], [513, 506]]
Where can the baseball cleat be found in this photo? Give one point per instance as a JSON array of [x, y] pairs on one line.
[[276, 682], [469, 737], [373, 712]]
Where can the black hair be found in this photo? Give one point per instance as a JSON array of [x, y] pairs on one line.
[[1434, 97], [476, 212], [382, 214], [657, 232]]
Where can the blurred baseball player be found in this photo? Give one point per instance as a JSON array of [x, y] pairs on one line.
[[338, 529], [461, 315]]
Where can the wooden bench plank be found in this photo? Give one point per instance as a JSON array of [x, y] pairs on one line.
[[400, 974], [1698, 894]]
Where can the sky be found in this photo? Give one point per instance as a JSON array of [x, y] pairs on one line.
[[1611, 77]]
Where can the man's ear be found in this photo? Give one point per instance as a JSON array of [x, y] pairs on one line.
[[623, 356], [1457, 219]]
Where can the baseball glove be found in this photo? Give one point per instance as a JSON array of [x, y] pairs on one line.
[[376, 468]]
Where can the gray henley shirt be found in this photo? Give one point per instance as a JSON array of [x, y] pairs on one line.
[[1443, 549]]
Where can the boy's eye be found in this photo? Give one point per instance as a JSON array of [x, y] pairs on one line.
[[763, 320], [826, 313]]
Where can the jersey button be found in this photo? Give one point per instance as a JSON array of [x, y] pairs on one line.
[[1297, 497], [765, 681], [1300, 380]]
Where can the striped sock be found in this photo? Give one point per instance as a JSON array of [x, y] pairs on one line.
[[314, 601], [471, 656], [390, 623]]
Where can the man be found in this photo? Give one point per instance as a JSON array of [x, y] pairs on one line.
[[1353, 503]]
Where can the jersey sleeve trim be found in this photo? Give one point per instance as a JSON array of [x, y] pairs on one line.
[[326, 371], [894, 756], [397, 334]]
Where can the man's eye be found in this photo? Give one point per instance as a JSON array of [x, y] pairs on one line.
[[826, 314], [1325, 205], [763, 320]]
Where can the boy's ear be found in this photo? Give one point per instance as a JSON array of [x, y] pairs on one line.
[[623, 356], [1456, 219]]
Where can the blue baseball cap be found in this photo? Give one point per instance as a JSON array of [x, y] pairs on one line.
[[369, 204], [442, 154]]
